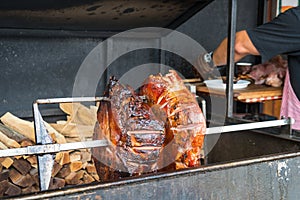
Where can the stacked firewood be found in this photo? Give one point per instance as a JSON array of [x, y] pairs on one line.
[[19, 174]]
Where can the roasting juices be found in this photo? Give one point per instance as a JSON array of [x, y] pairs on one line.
[[164, 130]]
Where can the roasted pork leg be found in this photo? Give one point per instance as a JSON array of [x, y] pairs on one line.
[[185, 123], [135, 133]]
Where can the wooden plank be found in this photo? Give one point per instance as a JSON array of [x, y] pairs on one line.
[[252, 91], [272, 108]]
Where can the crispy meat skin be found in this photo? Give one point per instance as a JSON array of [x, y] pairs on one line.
[[135, 134], [168, 130], [185, 123]]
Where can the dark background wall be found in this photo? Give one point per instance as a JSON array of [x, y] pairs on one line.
[[45, 67], [209, 26]]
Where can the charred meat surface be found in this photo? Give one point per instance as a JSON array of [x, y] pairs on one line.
[[136, 135], [185, 123], [161, 128]]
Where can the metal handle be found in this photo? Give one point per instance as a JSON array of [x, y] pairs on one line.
[[249, 126]]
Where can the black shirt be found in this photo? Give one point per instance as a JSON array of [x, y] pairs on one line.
[[281, 36]]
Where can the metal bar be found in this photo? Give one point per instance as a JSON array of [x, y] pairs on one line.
[[191, 172], [45, 162], [52, 148], [248, 126], [45, 158], [230, 56], [70, 100]]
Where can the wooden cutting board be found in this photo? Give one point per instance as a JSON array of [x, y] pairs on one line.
[[252, 93]]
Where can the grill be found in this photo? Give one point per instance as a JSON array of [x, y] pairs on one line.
[[242, 164]]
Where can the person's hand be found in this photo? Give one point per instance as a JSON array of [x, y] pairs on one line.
[[205, 64]]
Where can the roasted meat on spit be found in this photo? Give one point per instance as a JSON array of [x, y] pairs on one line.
[[161, 128], [185, 123], [136, 135]]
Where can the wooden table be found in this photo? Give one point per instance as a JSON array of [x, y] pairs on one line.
[[251, 94]]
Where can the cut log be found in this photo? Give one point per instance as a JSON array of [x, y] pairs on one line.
[[74, 130], [12, 134], [56, 168], [95, 176], [7, 162], [75, 166], [32, 160], [23, 166], [75, 156], [74, 177], [70, 140], [9, 142], [26, 143], [3, 187], [86, 156], [19, 179], [87, 178], [3, 146], [59, 138], [79, 114], [63, 158], [57, 183], [35, 178], [90, 168], [15, 176], [31, 189], [25, 181], [4, 175], [21, 126], [64, 172], [13, 190]]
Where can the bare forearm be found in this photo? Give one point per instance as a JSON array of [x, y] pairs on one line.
[[243, 47]]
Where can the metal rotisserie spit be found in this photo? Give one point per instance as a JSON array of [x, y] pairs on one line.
[[238, 159]]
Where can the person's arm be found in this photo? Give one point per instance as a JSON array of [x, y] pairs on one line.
[[243, 47]]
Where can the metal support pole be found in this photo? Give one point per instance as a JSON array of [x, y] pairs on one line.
[[232, 7]]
